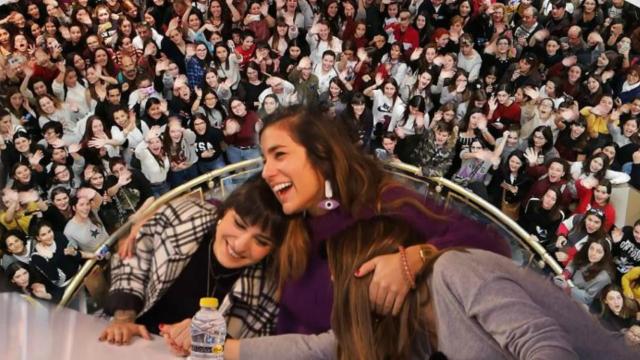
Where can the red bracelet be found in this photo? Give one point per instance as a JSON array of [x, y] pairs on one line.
[[405, 264]]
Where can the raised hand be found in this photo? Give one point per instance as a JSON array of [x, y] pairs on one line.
[[415, 55], [35, 159], [74, 148], [362, 54], [379, 79], [532, 156]]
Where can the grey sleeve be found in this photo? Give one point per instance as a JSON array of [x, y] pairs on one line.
[[494, 299], [588, 293], [290, 347]]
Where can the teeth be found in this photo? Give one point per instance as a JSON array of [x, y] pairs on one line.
[[281, 186]]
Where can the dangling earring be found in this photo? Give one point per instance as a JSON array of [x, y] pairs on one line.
[[328, 203]]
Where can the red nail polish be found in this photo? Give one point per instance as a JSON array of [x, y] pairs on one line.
[[357, 273]]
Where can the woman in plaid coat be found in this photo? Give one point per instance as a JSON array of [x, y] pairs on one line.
[[191, 249]]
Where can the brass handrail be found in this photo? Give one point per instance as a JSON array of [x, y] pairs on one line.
[[409, 170], [123, 230], [496, 213]]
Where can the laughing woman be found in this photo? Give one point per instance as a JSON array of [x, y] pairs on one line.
[[209, 247], [326, 183]]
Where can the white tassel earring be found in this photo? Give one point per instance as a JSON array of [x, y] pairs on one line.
[[328, 203]]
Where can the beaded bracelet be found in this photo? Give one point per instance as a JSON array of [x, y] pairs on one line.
[[405, 264]]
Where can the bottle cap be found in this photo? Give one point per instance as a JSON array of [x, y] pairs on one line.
[[209, 302]]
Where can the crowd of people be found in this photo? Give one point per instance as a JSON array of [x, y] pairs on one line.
[[107, 105]]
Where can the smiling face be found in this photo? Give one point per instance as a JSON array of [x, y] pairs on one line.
[[199, 126], [298, 185], [22, 174], [514, 164], [539, 140], [155, 146], [61, 173], [596, 165], [600, 194], [61, 201], [45, 235], [175, 131], [47, 106], [238, 244], [121, 118], [389, 90], [574, 73], [555, 172], [327, 62], [238, 108], [630, 128], [82, 208]]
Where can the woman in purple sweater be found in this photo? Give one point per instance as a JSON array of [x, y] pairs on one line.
[[326, 184]]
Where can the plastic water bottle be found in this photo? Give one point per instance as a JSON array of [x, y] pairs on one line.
[[208, 331]]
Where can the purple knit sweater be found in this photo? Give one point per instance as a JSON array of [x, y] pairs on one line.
[[305, 305]]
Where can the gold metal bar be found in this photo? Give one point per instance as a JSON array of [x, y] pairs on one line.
[[123, 230], [496, 213], [406, 170]]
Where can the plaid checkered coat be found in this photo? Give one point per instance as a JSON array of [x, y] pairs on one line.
[[164, 247]]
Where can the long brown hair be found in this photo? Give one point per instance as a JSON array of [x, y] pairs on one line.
[[581, 259], [360, 334], [358, 180]]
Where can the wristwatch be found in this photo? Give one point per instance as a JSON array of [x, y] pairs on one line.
[[425, 252]]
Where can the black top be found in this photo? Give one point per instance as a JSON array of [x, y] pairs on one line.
[[132, 195], [68, 264], [250, 93], [57, 220], [615, 323], [182, 300], [626, 252], [212, 139], [537, 221]]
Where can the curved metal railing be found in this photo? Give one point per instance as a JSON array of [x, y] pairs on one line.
[[454, 193], [445, 190], [207, 179]]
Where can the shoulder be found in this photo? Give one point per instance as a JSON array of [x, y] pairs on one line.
[[185, 210], [462, 267]]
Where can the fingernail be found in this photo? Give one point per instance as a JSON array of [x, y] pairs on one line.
[[357, 273]]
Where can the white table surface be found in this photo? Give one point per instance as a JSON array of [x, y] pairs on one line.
[[31, 330]]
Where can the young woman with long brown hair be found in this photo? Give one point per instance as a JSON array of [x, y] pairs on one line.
[[463, 296]]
